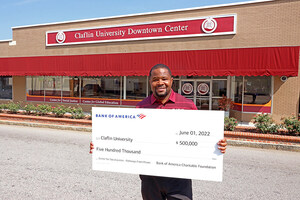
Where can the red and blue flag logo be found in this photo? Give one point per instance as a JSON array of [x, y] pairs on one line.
[[141, 116]]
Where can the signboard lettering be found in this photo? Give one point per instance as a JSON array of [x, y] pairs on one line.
[[204, 26]]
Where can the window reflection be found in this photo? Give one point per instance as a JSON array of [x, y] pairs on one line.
[[219, 88], [101, 87], [53, 85], [257, 90], [70, 87], [35, 85], [136, 87], [175, 86], [6, 87], [238, 89]]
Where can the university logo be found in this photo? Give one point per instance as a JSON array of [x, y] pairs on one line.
[[209, 25], [60, 37], [141, 116], [187, 88], [203, 88]]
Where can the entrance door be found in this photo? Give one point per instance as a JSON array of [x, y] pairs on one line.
[[198, 91], [203, 99]]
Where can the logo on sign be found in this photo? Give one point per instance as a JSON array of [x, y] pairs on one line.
[[187, 88], [141, 116], [209, 25], [203, 88], [60, 37], [119, 116]]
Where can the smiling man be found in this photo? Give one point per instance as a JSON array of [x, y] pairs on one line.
[[163, 97]]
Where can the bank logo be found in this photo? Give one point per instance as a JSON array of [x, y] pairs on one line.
[[60, 37], [209, 25], [116, 116], [141, 116]]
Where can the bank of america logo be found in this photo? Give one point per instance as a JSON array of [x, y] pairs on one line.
[[141, 116]]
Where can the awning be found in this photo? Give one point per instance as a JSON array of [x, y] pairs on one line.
[[265, 61]]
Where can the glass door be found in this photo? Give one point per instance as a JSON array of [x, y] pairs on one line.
[[203, 94], [204, 91], [198, 91]]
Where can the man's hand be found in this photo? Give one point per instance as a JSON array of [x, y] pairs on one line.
[[222, 145], [91, 147]]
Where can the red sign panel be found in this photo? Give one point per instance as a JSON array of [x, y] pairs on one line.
[[205, 26]]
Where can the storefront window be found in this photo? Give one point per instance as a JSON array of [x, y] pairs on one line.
[[257, 90], [6, 87], [238, 89], [101, 87], [215, 104], [91, 87], [53, 86], [252, 93], [175, 86], [35, 85], [136, 87], [219, 88], [70, 87]]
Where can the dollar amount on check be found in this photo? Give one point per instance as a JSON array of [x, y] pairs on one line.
[[170, 143]]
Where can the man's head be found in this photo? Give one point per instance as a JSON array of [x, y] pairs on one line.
[[160, 79]]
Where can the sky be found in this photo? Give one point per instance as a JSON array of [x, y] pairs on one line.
[[29, 12]]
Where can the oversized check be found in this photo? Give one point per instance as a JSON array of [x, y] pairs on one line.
[[159, 142]]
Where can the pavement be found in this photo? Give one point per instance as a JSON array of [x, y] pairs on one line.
[[246, 139]]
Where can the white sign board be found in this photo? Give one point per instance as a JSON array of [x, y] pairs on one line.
[[159, 142]]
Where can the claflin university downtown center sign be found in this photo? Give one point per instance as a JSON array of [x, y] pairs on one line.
[[212, 25]]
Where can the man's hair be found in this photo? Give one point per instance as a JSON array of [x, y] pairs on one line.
[[160, 66]]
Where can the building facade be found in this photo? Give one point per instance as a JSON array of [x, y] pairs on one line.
[[248, 52]]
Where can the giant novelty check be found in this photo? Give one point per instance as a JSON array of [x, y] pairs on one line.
[[159, 142]]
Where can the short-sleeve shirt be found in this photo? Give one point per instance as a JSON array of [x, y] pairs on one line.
[[175, 101]]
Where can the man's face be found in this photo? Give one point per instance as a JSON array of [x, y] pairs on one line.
[[161, 83]]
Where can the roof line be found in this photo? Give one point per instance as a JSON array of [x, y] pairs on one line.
[[147, 13], [7, 40]]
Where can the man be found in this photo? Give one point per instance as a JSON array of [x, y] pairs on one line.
[[163, 97]]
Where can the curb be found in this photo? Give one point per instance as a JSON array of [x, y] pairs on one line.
[[262, 145], [46, 119], [40, 125]]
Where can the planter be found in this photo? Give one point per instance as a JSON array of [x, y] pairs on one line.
[[262, 137]]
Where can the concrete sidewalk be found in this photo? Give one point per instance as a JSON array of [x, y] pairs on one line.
[[265, 141]]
